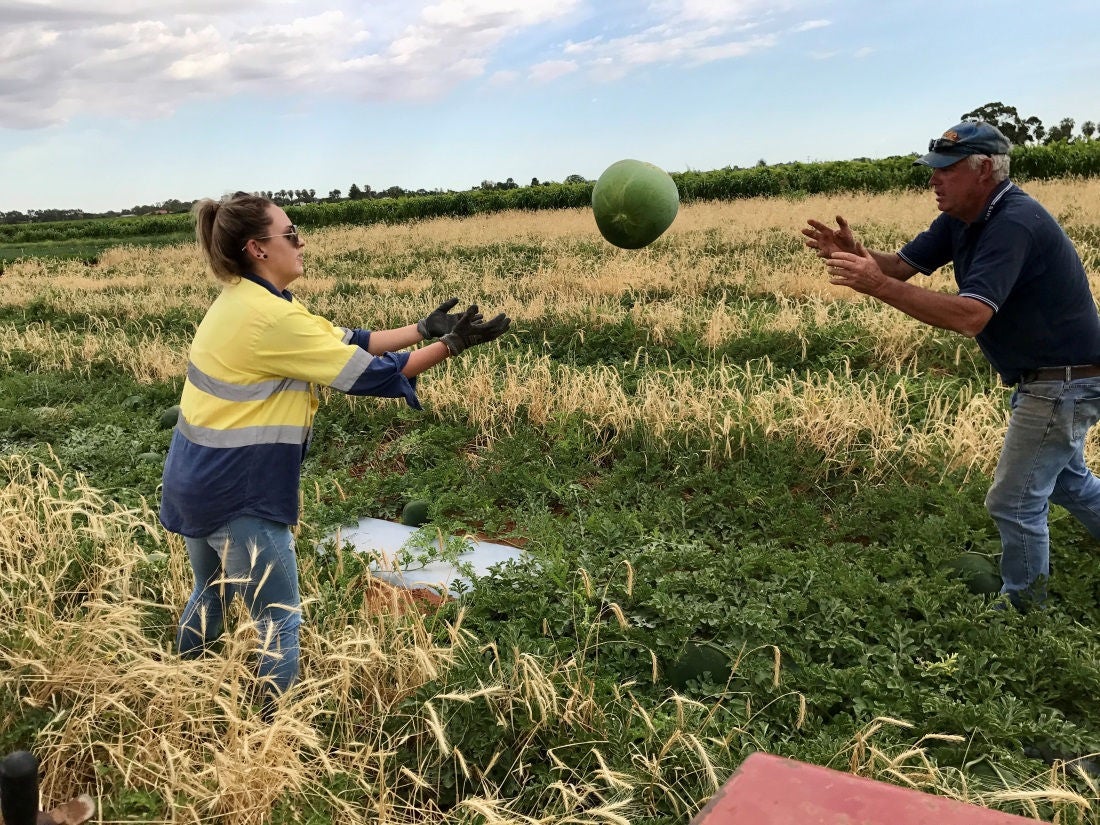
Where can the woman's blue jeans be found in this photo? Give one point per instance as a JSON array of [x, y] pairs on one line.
[[1043, 461], [254, 558]]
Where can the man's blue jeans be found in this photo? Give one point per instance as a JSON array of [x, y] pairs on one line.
[[254, 558], [1042, 461]]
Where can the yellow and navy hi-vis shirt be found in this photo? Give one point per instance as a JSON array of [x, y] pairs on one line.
[[248, 403]]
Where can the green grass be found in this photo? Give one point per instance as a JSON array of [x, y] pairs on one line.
[[86, 249]]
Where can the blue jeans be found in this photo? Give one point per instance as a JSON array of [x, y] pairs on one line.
[[252, 557], [1043, 461]]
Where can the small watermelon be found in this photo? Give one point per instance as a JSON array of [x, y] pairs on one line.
[[169, 417], [634, 202], [978, 571], [415, 513]]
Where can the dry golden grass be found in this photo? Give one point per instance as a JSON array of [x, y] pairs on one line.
[[748, 248], [910, 766], [87, 646]]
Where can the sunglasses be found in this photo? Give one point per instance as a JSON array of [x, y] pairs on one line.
[[942, 145], [295, 238]]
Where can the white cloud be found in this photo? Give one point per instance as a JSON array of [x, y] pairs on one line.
[[69, 56], [490, 14], [65, 58], [686, 32], [667, 44], [715, 11], [552, 69], [583, 46], [506, 77]]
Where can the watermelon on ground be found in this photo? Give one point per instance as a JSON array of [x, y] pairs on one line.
[[978, 571], [696, 660], [169, 417], [415, 513]]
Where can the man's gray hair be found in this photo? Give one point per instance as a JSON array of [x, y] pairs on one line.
[[1000, 165]]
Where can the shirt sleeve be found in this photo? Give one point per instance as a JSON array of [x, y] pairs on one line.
[[306, 347], [931, 249], [997, 263], [358, 337]]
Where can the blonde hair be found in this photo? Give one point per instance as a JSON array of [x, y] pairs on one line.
[[223, 228]]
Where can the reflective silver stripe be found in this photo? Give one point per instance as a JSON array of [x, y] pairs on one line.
[[351, 372], [242, 392], [347, 335], [243, 437]]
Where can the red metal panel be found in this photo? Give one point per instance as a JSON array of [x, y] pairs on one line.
[[771, 790]]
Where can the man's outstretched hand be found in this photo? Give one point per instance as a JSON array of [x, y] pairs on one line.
[[825, 240]]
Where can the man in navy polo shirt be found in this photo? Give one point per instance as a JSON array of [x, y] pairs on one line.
[[1024, 296]]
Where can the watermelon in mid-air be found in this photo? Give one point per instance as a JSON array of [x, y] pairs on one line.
[[634, 202]]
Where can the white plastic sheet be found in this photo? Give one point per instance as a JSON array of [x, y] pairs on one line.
[[390, 542]]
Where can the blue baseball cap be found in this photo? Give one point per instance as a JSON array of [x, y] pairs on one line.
[[971, 137]]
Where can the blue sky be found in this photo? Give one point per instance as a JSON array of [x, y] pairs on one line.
[[108, 104]]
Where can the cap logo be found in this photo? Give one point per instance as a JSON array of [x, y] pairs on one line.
[[951, 135]]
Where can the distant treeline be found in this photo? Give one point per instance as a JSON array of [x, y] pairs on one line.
[[1035, 162]]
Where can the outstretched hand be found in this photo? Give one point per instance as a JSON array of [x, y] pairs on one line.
[[471, 330], [856, 270], [826, 241], [440, 320]]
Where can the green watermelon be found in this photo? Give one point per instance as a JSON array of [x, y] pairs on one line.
[[415, 513], [978, 571], [634, 202], [169, 417], [697, 659]]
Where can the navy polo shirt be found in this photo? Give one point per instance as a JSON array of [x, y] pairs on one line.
[[1018, 260]]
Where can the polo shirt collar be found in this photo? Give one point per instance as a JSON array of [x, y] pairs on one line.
[[285, 294], [995, 198]]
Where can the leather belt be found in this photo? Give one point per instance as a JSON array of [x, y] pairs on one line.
[[1061, 373]]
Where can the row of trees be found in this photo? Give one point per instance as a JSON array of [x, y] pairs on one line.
[[1030, 130], [1035, 162], [365, 192], [168, 207], [283, 197], [1022, 131]]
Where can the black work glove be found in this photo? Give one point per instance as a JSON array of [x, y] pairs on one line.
[[440, 320], [471, 330]]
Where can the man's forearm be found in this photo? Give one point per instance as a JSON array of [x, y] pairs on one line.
[[966, 316], [892, 265]]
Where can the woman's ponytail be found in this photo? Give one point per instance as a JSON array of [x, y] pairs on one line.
[[223, 228]]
